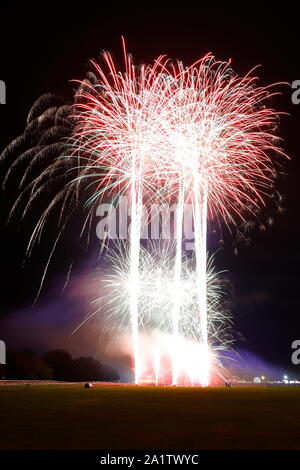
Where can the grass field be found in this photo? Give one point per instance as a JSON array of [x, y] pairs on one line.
[[126, 417]]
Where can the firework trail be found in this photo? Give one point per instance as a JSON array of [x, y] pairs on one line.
[[199, 134], [117, 127], [35, 183], [224, 142]]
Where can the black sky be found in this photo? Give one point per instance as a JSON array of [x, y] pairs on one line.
[[44, 47]]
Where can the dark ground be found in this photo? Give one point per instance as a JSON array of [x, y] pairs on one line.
[[126, 417]]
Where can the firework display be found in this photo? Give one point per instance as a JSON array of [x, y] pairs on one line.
[[161, 135], [200, 135]]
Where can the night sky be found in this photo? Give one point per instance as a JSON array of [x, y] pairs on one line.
[[42, 49]]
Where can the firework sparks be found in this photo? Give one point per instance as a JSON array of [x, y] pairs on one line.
[[155, 306], [198, 133]]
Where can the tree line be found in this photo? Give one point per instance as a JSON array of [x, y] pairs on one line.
[[55, 365]]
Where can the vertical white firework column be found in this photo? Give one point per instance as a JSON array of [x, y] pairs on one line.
[[156, 360], [200, 227], [177, 280], [135, 236]]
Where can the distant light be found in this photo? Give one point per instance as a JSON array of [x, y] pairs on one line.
[[285, 377], [262, 377]]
